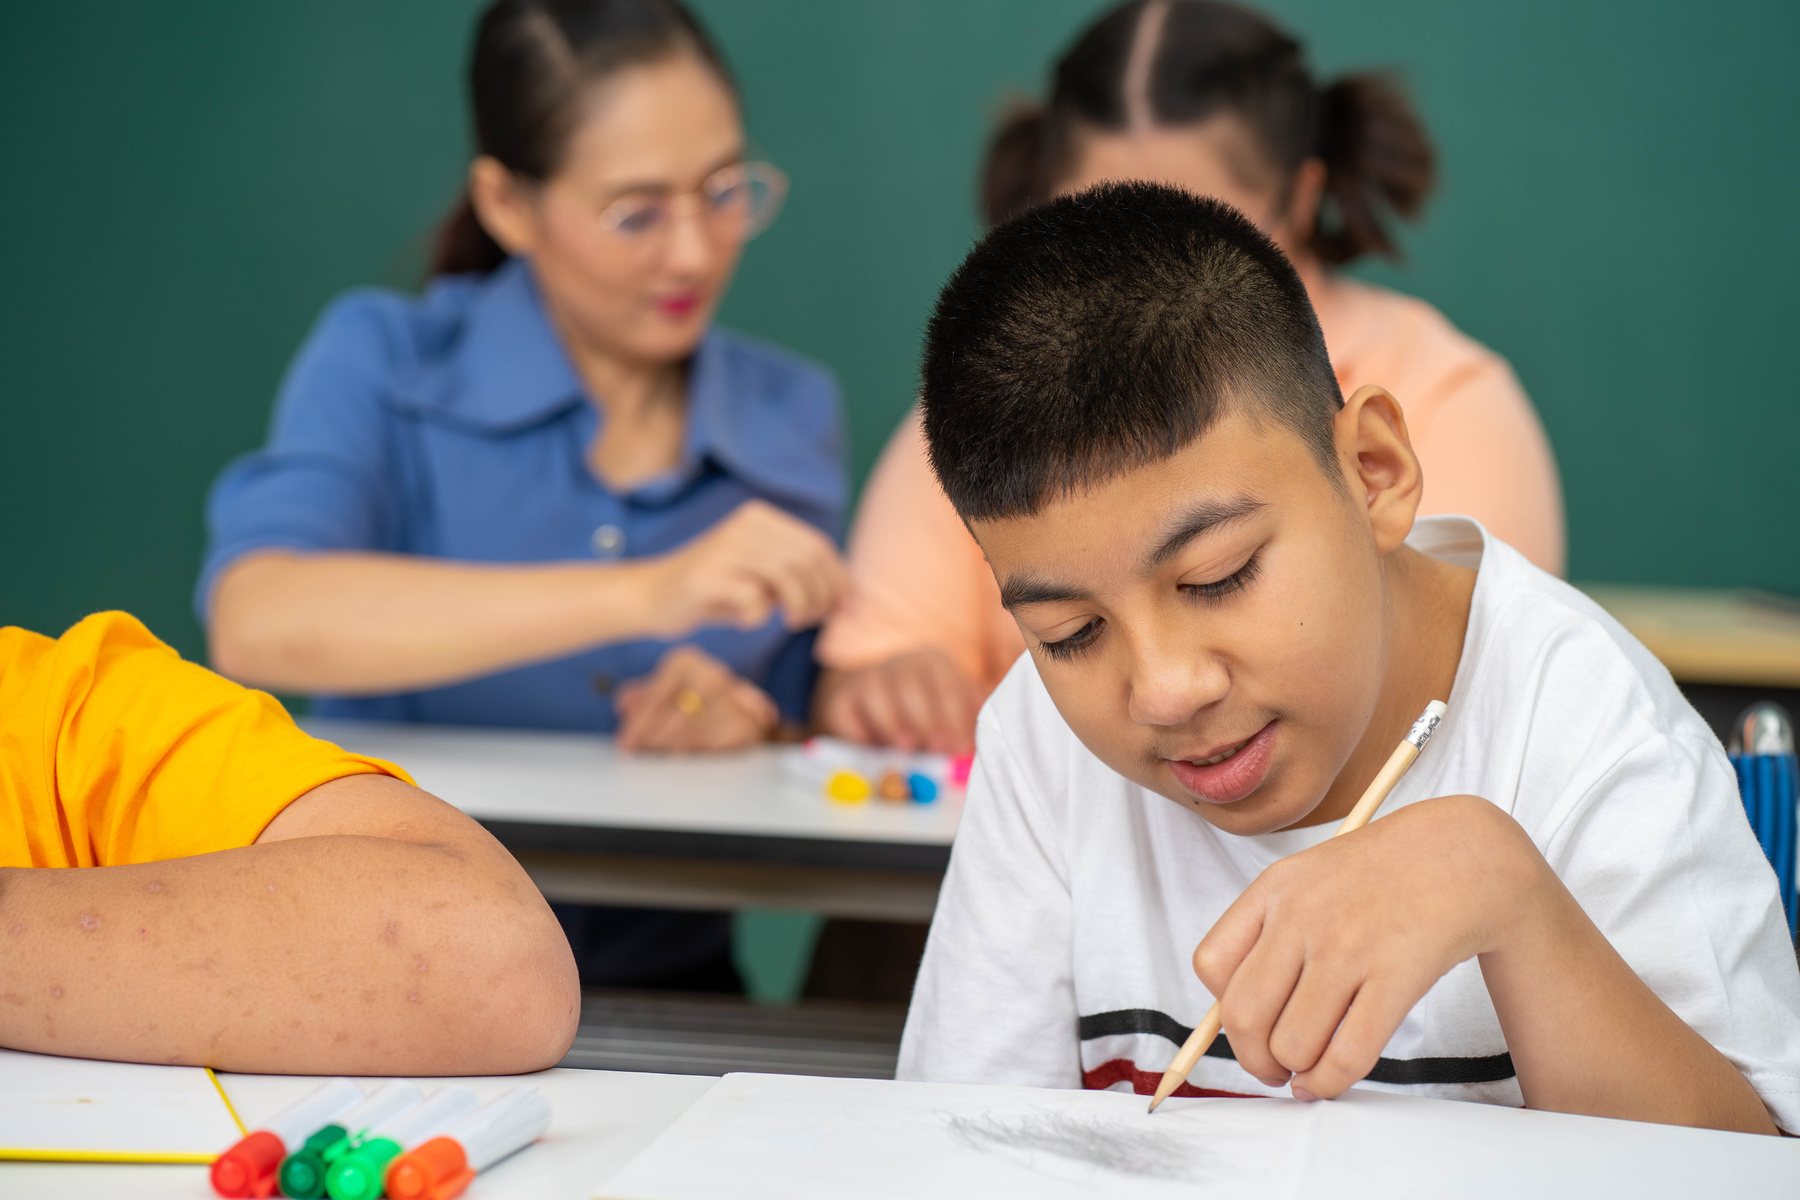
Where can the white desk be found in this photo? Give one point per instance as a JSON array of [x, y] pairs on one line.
[[719, 831], [602, 1119]]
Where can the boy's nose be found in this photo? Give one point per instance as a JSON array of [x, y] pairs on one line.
[[1168, 687]]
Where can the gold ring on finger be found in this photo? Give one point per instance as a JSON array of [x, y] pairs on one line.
[[690, 702]]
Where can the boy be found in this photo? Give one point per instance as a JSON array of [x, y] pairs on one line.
[[1232, 619], [253, 898]]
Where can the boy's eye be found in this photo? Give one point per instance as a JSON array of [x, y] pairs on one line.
[[1075, 643], [1221, 588]]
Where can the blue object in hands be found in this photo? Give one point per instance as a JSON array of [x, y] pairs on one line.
[[1762, 751]]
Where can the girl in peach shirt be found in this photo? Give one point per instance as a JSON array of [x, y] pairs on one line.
[[1216, 99]]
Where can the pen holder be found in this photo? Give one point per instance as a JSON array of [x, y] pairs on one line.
[[1762, 750]]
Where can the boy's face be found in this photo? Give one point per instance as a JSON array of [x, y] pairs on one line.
[[1229, 600]]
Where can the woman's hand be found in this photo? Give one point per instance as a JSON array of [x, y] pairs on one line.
[[759, 559], [1321, 958], [914, 701], [692, 701]]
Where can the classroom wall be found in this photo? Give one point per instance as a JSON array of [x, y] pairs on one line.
[[185, 186]]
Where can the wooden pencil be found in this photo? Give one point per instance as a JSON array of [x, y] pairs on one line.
[[1378, 789]]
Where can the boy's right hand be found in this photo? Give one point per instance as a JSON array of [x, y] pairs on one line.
[[1320, 959], [1325, 954], [914, 701], [756, 561]]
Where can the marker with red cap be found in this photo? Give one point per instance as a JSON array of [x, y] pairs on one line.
[[443, 1167], [358, 1174], [248, 1168]]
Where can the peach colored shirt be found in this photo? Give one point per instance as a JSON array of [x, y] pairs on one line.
[[919, 580]]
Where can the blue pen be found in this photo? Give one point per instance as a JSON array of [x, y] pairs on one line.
[[1762, 754]]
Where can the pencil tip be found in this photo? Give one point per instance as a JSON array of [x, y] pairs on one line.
[[1154, 1101]]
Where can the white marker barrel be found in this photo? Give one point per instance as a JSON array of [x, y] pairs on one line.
[[426, 1121], [512, 1121], [323, 1105], [384, 1103]]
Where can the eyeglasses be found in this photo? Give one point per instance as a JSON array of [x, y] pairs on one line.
[[734, 203]]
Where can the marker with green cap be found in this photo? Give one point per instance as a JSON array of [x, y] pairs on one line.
[[303, 1171], [248, 1169], [357, 1175]]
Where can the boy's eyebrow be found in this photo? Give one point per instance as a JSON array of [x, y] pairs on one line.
[[1205, 515], [1027, 589]]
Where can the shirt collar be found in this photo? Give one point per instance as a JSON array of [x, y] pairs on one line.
[[714, 436], [509, 369], [746, 416]]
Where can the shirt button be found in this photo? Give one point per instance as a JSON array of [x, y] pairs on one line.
[[603, 683], [609, 542]]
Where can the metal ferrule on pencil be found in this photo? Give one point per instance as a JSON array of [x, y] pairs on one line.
[[1425, 726]]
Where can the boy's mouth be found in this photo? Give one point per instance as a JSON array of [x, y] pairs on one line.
[[1229, 774]]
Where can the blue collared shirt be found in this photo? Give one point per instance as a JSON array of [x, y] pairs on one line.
[[452, 425]]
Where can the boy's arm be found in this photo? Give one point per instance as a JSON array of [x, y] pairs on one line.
[[1588, 1036], [1320, 960], [372, 929]]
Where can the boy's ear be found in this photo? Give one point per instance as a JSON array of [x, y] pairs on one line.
[[1380, 469]]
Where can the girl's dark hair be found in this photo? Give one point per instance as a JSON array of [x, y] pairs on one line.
[[531, 66], [1207, 58]]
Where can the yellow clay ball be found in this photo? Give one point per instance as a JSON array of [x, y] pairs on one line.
[[847, 787]]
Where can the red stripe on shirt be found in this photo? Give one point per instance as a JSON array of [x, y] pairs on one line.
[[1144, 1082]]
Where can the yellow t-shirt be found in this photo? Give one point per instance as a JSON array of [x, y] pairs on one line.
[[114, 750]]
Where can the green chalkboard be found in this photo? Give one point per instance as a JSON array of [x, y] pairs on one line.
[[185, 186]]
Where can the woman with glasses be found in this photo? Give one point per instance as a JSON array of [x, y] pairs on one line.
[[548, 492]]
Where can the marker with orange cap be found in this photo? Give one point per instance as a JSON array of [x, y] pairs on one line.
[[443, 1167], [357, 1175], [248, 1168]]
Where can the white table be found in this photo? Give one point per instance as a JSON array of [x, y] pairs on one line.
[[719, 831], [602, 1119]]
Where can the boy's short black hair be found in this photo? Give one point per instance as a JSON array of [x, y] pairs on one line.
[[1107, 330]]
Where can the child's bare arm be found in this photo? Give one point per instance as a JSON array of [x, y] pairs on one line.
[[1323, 956], [372, 929]]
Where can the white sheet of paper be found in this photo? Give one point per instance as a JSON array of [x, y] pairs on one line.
[[81, 1110], [776, 1137]]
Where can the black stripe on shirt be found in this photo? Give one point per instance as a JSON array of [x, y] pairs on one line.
[[1491, 1068]]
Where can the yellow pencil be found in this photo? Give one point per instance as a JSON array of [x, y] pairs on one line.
[[1379, 787]]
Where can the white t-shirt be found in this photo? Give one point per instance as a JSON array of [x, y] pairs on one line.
[[1060, 953]]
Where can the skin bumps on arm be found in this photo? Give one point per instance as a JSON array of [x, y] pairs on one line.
[[196, 880], [372, 930]]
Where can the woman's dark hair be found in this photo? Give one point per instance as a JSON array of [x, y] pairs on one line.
[[1178, 62], [531, 66]]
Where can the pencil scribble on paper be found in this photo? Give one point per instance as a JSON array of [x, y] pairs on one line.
[[1109, 1144]]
